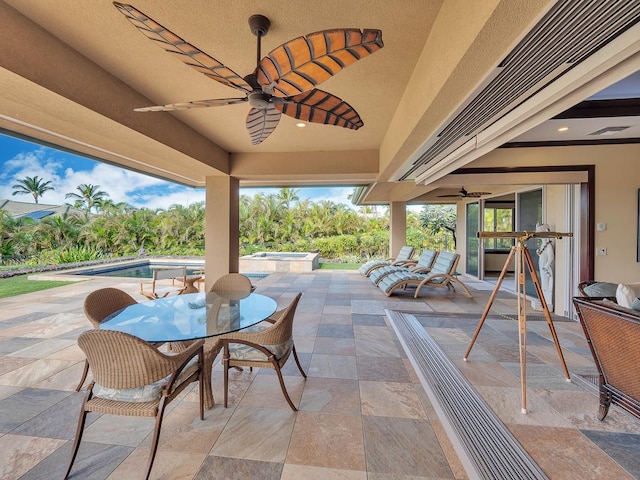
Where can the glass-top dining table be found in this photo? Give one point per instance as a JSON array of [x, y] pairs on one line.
[[191, 316]]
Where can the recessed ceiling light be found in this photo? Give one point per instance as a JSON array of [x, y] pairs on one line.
[[563, 129], [301, 124]]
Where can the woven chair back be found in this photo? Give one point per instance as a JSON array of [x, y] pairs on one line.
[[119, 360], [232, 282], [282, 330], [101, 303]]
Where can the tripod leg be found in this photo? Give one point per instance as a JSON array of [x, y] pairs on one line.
[[490, 302], [522, 324], [545, 309]]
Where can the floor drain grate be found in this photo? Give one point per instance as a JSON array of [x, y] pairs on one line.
[[485, 446]]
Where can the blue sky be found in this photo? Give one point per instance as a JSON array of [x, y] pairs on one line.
[[20, 159]]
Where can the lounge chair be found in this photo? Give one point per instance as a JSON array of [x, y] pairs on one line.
[[442, 274], [404, 255], [422, 265], [175, 282]]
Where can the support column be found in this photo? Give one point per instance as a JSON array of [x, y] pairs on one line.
[[222, 227], [398, 224]]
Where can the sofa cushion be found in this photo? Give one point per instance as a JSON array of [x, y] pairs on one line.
[[627, 293], [601, 289]]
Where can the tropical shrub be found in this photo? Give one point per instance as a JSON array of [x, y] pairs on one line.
[[76, 254]]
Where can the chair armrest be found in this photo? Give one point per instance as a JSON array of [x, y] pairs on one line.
[[196, 349], [226, 341], [147, 292]]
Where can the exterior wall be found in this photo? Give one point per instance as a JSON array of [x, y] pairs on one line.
[[616, 205]]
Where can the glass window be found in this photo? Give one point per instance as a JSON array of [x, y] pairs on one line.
[[498, 219]]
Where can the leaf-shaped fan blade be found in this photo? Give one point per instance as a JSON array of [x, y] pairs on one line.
[[261, 123], [185, 52], [318, 106], [477, 194], [217, 102], [304, 62]]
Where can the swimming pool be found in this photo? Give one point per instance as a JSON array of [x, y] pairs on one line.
[[141, 269]]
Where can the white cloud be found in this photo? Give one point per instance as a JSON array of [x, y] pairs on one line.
[[122, 185], [66, 172]]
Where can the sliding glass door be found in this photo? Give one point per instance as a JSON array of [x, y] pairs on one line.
[[473, 225], [529, 213]]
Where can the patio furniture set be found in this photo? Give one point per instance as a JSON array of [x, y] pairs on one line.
[[175, 343]]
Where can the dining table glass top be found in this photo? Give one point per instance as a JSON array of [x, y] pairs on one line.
[[191, 316]]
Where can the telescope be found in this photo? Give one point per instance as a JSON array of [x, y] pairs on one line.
[[523, 235]]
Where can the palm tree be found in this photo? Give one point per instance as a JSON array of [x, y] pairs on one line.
[[89, 197], [288, 196], [36, 186]]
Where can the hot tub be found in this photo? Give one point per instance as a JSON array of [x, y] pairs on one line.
[[269, 262]]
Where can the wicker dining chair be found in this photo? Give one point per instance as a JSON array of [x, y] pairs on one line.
[[132, 377], [98, 305], [232, 282], [268, 347]]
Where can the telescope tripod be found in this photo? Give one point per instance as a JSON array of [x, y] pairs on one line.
[[523, 259]]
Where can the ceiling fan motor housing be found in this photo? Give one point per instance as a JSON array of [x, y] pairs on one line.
[[259, 100]]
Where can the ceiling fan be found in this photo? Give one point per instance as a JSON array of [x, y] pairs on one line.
[[462, 193], [284, 81]]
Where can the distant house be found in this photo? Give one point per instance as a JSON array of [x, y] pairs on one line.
[[37, 211]]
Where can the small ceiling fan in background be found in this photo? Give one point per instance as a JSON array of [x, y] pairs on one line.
[[462, 193], [284, 81]]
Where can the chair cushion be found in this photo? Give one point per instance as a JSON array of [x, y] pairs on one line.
[[601, 289], [378, 273], [627, 293], [371, 264], [146, 393], [239, 351]]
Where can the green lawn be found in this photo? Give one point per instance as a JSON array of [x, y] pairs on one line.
[[339, 266], [19, 284]]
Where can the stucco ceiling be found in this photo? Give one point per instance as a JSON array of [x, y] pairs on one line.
[[373, 86], [72, 72]]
